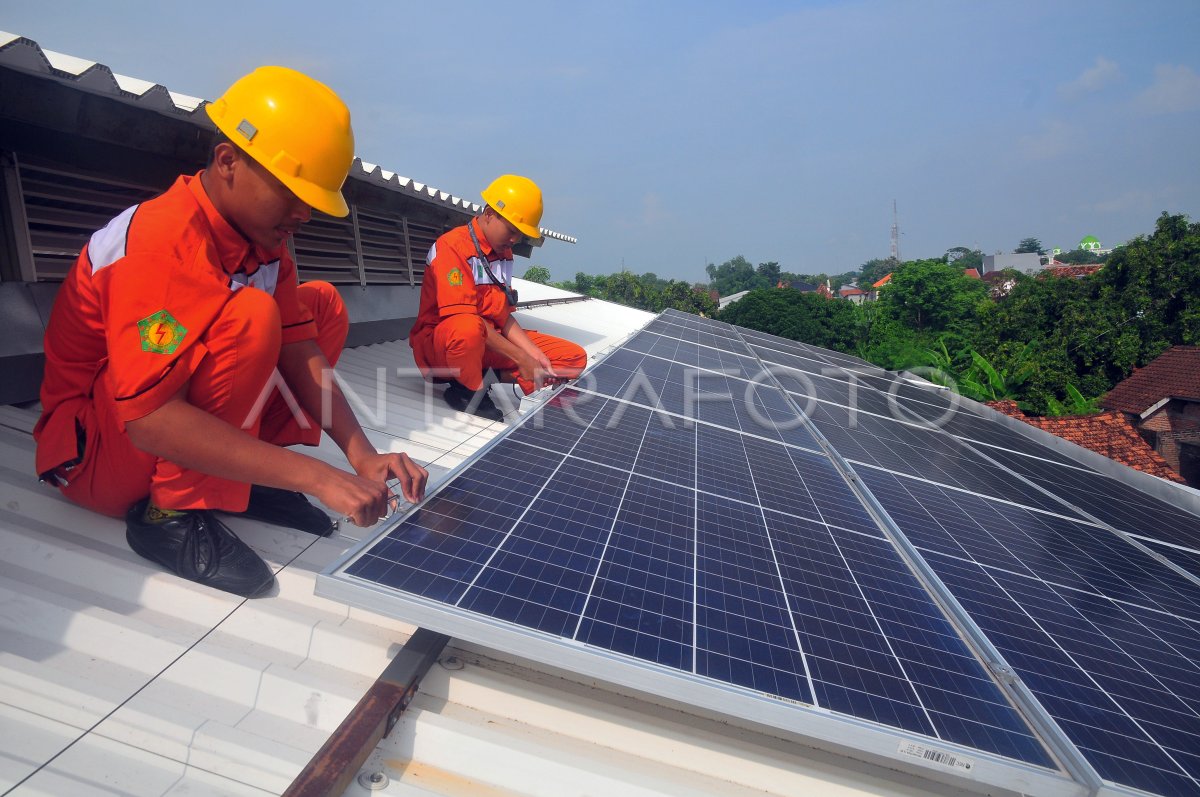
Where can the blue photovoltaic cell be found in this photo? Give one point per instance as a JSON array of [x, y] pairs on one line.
[[675, 507], [1186, 558], [744, 632], [642, 601], [637, 561], [1047, 590], [1072, 649], [1111, 500]]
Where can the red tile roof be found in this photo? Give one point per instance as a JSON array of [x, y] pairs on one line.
[[1174, 374], [884, 280], [848, 290], [1072, 271], [971, 272], [1107, 433]]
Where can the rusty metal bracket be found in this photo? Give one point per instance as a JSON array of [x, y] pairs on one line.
[[334, 766]]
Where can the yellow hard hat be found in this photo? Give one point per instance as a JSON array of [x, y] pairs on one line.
[[517, 199], [296, 127]]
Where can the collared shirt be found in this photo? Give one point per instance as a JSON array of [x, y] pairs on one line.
[[456, 280], [142, 295]]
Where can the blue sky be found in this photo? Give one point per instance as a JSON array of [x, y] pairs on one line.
[[668, 135]]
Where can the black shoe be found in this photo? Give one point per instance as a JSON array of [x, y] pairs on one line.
[[286, 508], [476, 402], [198, 547]]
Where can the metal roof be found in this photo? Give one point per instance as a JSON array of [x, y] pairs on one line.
[[18, 52], [117, 678]]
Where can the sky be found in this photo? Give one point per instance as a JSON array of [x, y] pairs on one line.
[[670, 135]]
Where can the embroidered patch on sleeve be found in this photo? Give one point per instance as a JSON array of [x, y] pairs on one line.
[[161, 333], [454, 277]]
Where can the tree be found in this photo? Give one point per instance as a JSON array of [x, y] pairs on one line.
[[678, 295], [1075, 404], [807, 317], [874, 270], [624, 288], [538, 274], [930, 296], [1155, 285], [1030, 245], [1079, 257], [768, 274], [733, 276], [964, 258], [583, 283], [985, 382]]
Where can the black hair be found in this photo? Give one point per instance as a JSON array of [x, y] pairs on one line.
[[218, 139]]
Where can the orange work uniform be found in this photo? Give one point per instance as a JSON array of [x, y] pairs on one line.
[[169, 294], [459, 301]]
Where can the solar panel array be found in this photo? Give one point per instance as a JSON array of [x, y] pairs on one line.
[[786, 523]]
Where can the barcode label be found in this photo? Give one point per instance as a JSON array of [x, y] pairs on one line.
[[941, 757]]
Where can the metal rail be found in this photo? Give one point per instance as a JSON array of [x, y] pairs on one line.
[[334, 766]]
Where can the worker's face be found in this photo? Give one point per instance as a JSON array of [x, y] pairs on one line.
[[499, 232], [263, 209]]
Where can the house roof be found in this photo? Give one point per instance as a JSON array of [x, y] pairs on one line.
[[24, 54], [884, 280], [1063, 270], [1173, 374], [971, 272], [1107, 433], [850, 290]]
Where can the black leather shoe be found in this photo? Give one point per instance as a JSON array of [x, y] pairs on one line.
[[476, 402], [198, 547], [286, 508]]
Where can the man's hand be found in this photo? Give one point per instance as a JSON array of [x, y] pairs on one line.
[[399, 466], [364, 497], [535, 367]]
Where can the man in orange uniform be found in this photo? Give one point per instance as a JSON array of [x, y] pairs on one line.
[[465, 322], [182, 354]]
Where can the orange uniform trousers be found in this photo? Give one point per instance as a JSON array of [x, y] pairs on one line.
[[457, 348], [243, 346]]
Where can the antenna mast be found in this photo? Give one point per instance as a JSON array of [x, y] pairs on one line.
[[895, 234]]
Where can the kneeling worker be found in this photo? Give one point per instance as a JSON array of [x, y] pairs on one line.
[[182, 355], [465, 324]]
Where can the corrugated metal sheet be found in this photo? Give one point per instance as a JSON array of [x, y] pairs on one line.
[[116, 678], [25, 54]]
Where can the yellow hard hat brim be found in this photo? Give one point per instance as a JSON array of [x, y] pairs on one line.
[[528, 231], [330, 202]]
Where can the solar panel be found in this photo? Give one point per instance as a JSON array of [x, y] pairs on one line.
[[813, 554]]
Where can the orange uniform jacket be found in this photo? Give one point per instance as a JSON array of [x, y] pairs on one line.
[[455, 282], [137, 302]]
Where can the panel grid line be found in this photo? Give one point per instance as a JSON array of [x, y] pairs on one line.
[[952, 581], [517, 522]]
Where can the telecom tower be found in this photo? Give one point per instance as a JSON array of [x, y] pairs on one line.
[[895, 234]]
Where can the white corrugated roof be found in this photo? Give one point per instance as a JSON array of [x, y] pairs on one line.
[[22, 53], [117, 678]]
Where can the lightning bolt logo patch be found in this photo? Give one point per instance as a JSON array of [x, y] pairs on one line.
[[161, 333]]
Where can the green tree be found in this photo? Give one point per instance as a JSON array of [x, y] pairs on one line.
[[964, 258], [930, 296], [768, 274], [985, 382], [733, 276], [1030, 245], [1154, 283], [1079, 257], [624, 288], [584, 283], [678, 295], [874, 270], [806, 317], [1075, 404], [538, 274]]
